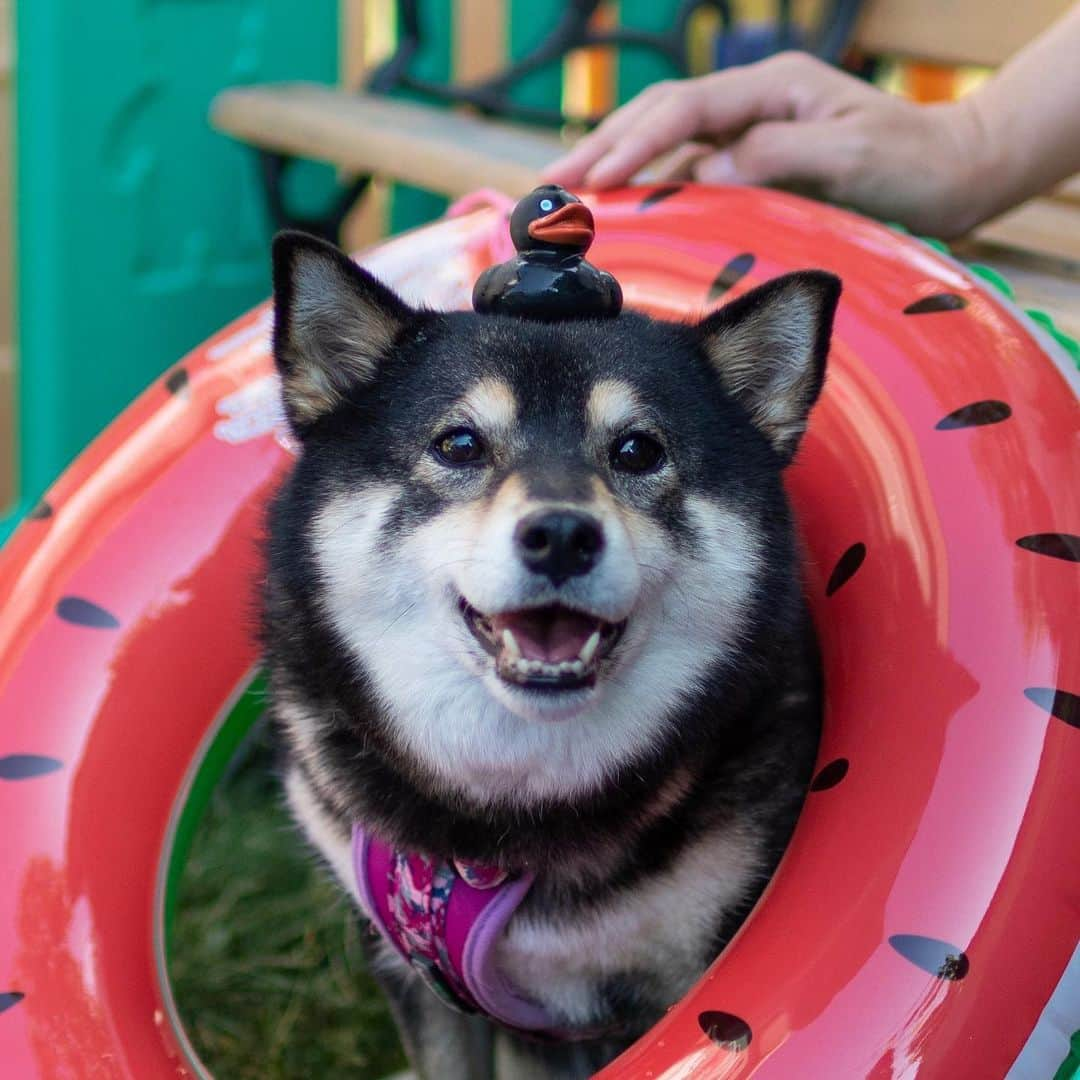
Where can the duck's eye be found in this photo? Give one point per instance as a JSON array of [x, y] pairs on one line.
[[459, 447], [636, 453], [547, 205]]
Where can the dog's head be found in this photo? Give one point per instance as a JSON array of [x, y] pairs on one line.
[[538, 542]]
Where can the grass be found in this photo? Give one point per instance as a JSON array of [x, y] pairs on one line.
[[265, 958]]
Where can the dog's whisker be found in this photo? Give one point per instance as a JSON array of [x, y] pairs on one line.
[[393, 622]]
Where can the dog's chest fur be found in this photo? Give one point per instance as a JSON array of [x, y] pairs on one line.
[[640, 948], [595, 955]]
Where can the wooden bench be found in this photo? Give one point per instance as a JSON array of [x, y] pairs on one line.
[[449, 153], [1037, 245]]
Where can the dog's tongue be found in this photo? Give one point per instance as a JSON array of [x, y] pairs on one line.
[[549, 634]]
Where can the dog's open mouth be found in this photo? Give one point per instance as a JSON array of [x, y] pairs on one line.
[[547, 648]]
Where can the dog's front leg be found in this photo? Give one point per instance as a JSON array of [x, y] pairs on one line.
[[441, 1043], [522, 1059]]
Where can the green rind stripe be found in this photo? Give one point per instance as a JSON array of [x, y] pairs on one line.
[[1070, 1067], [999, 281], [248, 708], [1004, 286]]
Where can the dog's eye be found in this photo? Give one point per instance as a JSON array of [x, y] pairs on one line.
[[459, 447], [636, 453]]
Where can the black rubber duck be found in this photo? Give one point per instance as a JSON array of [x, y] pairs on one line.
[[549, 278]]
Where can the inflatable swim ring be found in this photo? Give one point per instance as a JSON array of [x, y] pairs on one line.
[[926, 915]]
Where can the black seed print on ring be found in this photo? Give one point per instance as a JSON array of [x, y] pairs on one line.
[[74, 609], [934, 957], [732, 273], [977, 414], [40, 512], [945, 301], [1059, 703], [830, 774], [848, 563], [1056, 545], [9, 998], [27, 766], [177, 380], [726, 1030], [658, 195]]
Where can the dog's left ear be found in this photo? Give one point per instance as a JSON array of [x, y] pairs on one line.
[[333, 324], [769, 348]]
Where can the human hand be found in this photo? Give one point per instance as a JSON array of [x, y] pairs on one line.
[[792, 119]]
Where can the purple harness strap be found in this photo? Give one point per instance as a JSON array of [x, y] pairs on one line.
[[445, 920]]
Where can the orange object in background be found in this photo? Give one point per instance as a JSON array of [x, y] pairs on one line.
[[926, 910], [589, 75], [926, 83]]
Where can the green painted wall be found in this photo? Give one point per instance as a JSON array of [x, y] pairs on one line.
[[638, 68], [140, 231]]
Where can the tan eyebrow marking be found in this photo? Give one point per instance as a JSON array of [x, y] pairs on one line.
[[491, 404], [612, 404]]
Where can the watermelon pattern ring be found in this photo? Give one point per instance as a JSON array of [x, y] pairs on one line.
[[925, 918]]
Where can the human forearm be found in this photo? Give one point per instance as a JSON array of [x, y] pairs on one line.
[[1028, 119]]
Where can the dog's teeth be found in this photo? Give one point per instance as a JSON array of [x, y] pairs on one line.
[[588, 650], [525, 668], [511, 645]]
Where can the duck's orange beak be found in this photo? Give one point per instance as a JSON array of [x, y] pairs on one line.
[[569, 226]]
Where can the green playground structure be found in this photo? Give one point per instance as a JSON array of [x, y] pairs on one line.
[[139, 229]]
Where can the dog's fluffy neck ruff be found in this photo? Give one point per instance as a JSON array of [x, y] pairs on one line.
[[627, 826]]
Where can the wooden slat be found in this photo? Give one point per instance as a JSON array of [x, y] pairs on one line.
[[352, 54], [363, 42], [1041, 282], [1042, 226], [445, 152], [7, 22], [1068, 192], [954, 31], [479, 39]]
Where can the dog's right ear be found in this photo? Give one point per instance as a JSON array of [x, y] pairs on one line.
[[769, 348], [333, 323]]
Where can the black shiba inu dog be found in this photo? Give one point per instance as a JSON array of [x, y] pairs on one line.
[[534, 603]]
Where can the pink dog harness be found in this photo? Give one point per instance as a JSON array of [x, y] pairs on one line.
[[446, 919]]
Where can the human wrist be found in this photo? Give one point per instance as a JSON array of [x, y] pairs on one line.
[[981, 175]]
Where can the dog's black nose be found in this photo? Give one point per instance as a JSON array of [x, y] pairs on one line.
[[559, 543]]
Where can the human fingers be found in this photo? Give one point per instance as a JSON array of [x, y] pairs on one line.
[[676, 165], [670, 121], [572, 168], [718, 107], [782, 152]]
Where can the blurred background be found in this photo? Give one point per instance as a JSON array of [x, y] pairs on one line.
[[151, 150], [130, 228]]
